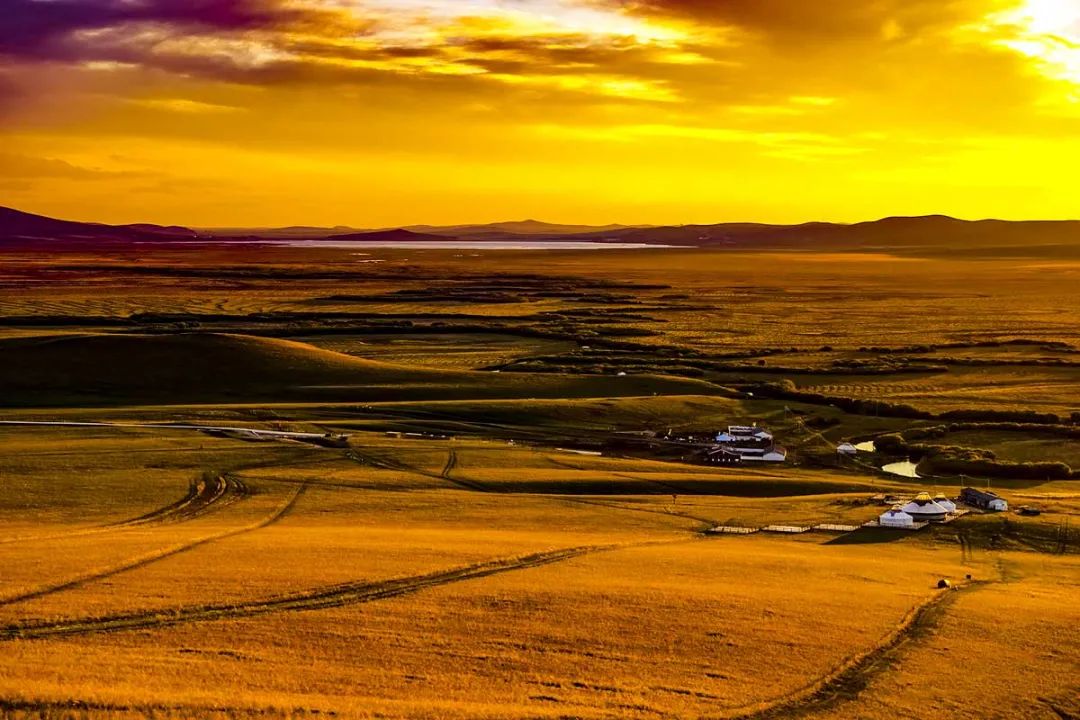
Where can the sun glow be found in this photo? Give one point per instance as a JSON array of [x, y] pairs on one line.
[[1047, 31], [350, 111], [407, 21]]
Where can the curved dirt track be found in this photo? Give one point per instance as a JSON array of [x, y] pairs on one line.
[[153, 556], [844, 682], [317, 599], [203, 496], [451, 464], [381, 461]]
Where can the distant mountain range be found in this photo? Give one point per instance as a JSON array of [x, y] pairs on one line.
[[397, 235], [935, 232], [515, 228]]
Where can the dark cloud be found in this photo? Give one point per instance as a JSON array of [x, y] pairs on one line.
[[44, 28]]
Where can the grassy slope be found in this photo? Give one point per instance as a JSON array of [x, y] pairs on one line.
[[204, 367]]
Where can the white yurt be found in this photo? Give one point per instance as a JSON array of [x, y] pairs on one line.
[[949, 505], [923, 508], [895, 517], [846, 449]]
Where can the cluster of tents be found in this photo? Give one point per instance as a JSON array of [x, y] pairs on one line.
[[922, 508]]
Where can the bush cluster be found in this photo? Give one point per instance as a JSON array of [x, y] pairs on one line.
[[786, 390], [957, 459]]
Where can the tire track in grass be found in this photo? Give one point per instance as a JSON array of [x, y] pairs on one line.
[[153, 556], [846, 681], [20, 708], [237, 491], [385, 463], [203, 496], [666, 488], [615, 505], [317, 599], [451, 463]]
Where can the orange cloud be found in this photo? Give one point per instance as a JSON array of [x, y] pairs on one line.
[[680, 107]]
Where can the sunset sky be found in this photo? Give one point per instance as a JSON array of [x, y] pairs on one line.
[[387, 112]]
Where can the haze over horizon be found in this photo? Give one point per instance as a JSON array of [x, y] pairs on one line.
[[382, 113], [508, 225]]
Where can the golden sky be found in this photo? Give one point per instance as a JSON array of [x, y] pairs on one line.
[[387, 112]]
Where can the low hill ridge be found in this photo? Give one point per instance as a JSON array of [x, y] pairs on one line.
[[933, 232], [105, 369], [19, 225], [396, 235]]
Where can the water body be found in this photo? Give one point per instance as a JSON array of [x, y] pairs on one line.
[[464, 244], [436, 244], [905, 468]]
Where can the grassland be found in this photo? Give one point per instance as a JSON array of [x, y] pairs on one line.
[[526, 543]]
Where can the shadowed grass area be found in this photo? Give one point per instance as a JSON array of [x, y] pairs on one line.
[[210, 367]]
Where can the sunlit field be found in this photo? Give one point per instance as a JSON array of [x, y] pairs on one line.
[[539, 360], [529, 543]]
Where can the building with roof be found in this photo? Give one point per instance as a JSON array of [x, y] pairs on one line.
[[949, 505], [766, 454], [846, 448], [983, 499], [744, 433], [722, 456], [924, 509], [896, 517]]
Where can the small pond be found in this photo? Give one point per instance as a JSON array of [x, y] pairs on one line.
[[904, 468]]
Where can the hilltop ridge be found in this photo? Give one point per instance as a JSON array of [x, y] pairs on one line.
[[927, 231]]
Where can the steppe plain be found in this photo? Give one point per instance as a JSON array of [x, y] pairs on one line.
[[523, 543]]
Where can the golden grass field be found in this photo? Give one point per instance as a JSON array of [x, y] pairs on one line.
[[515, 545]]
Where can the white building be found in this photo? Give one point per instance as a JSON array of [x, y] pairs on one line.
[[846, 449], [751, 443], [773, 454], [744, 433], [949, 505], [924, 509], [896, 517]]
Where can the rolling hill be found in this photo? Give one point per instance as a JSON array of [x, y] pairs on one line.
[[220, 368], [398, 235], [536, 229], [16, 225], [291, 232], [930, 231]]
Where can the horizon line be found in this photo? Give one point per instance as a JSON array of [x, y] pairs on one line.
[[377, 228]]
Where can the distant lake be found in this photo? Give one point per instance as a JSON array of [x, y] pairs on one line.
[[464, 244]]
